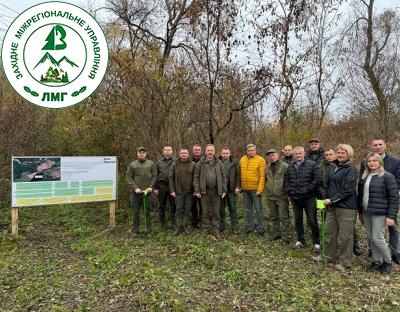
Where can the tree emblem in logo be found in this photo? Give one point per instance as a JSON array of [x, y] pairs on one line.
[[54, 67], [55, 54]]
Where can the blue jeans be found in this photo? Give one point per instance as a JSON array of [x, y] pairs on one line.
[[249, 200]]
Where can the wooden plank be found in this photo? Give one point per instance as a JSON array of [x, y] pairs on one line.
[[14, 221], [113, 205]]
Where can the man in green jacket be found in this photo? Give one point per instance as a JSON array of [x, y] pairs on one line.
[[141, 177], [231, 170], [181, 187], [210, 186], [277, 199], [162, 189]]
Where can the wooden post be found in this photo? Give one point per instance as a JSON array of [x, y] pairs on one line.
[[14, 221], [113, 205]]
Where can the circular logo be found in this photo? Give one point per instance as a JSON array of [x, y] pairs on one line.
[[54, 54]]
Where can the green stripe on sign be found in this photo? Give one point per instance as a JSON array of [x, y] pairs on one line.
[[33, 185]]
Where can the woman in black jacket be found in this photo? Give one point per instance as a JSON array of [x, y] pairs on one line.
[[378, 198], [341, 212]]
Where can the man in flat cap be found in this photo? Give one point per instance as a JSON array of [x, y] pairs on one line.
[[141, 177], [277, 198], [315, 151]]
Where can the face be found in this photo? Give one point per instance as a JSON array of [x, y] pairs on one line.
[[196, 151], [167, 151], [288, 150], [210, 152], [272, 157], [225, 154], [342, 155], [299, 154], [330, 155], [141, 154], [378, 146], [314, 146], [251, 151], [184, 154], [373, 163]]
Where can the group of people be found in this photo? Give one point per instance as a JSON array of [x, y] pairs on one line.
[[198, 188]]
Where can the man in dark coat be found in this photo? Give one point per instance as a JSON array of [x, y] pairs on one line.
[[181, 187], [392, 165], [231, 170], [210, 186], [162, 186], [287, 154], [302, 181], [196, 204], [315, 151]]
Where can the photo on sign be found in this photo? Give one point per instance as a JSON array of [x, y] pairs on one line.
[[36, 169]]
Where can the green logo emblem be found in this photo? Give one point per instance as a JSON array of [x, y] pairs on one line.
[[55, 54]]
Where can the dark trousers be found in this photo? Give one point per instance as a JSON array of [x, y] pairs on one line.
[[183, 206], [164, 196], [196, 211], [139, 202], [230, 201], [394, 238], [308, 205]]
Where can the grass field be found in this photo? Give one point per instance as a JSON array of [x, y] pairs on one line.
[[66, 259]]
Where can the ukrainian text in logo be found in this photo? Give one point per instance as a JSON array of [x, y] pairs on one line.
[[54, 54]]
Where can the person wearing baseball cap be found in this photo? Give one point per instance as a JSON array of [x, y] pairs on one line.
[[315, 151], [141, 176]]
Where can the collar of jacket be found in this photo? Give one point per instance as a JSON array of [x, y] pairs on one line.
[[318, 151], [231, 158], [344, 165], [277, 163], [211, 161], [184, 161]]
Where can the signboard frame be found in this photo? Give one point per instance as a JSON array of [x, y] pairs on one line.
[[15, 208]]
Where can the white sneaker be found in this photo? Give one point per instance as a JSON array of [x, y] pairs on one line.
[[317, 248], [299, 245]]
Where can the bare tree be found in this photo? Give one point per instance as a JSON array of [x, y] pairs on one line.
[[371, 48]]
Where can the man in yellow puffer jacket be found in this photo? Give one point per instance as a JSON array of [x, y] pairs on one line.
[[252, 183]]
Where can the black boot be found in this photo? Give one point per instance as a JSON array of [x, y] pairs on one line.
[[396, 258], [374, 267], [385, 268]]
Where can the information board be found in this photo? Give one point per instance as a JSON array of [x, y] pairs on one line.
[[42, 180]]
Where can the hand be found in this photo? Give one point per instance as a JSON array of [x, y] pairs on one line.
[[237, 190], [138, 190], [173, 194], [258, 194], [361, 218], [149, 190], [389, 222], [198, 195], [156, 192], [223, 195], [327, 202]]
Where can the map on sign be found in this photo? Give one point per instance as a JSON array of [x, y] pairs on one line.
[[62, 180]]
